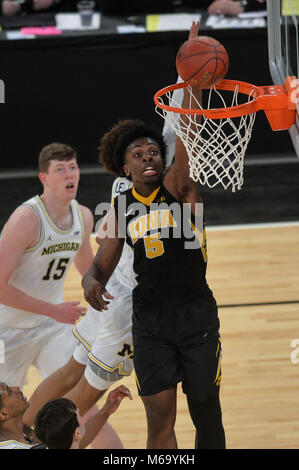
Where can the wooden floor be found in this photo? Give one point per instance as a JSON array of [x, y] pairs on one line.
[[254, 275]]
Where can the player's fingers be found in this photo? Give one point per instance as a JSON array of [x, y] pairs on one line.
[[122, 389], [80, 310], [126, 392], [94, 303], [127, 395], [194, 29], [104, 304]]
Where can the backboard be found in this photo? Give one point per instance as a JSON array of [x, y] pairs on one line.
[[283, 46]]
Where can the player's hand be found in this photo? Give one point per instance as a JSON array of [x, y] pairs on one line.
[[193, 33], [114, 399], [94, 293], [68, 312]]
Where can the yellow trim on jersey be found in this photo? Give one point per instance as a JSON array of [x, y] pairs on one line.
[[107, 368], [145, 200], [41, 231], [5, 443], [202, 239], [217, 380], [46, 214], [79, 338], [218, 347]]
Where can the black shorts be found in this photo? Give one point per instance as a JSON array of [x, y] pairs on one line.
[[175, 344]]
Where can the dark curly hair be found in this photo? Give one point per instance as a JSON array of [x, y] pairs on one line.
[[114, 143]]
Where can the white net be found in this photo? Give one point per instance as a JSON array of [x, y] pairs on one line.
[[215, 147]]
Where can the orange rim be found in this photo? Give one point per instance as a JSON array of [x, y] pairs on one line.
[[276, 100]]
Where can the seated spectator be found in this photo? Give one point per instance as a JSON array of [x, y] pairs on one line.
[[14, 7], [128, 7], [14, 434], [234, 7], [225, 7]]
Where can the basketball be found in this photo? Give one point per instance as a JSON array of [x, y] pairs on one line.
[[202, 61]]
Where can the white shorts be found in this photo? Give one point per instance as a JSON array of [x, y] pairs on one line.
[[105, 340], [48, 347]]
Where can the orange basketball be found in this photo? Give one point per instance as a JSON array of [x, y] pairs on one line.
[[202, 61]]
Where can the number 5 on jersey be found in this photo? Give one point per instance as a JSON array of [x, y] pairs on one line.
[[153, 245]]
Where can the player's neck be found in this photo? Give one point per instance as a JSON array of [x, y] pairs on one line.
[[12, 430], [59, 210], [146, 190]]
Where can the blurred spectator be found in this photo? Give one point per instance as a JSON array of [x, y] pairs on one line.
[[121, 7], [124, 7], [234, 7]]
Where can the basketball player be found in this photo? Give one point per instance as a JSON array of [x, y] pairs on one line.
[[52, 428], [38, 244], [103, 340], [175, 319], [59, 425], [104, 350], [104, 353]]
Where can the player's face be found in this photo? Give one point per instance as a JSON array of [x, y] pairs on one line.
[[62, 178], [143, 162], [13, 400]]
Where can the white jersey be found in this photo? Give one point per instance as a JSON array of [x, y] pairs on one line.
[[103, 334], [124, 270], [11, 444], [42, 270]]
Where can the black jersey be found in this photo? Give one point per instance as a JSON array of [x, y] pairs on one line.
[[169, 244]]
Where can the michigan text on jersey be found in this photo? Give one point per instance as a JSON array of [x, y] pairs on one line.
[[68, 246]]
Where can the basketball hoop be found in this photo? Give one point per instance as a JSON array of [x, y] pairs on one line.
[[217, 144]]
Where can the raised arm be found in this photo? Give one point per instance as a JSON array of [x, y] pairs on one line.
[[95, 424], [177, 180]]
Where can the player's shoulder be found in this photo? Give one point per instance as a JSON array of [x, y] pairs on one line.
[[85, 211], [22, 229], [23, 216]]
